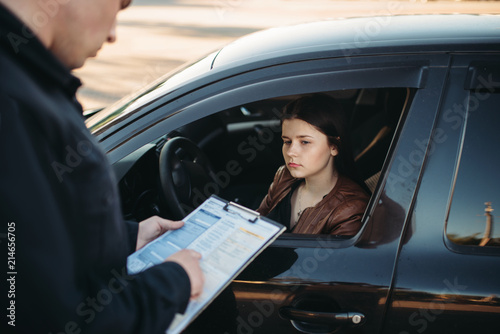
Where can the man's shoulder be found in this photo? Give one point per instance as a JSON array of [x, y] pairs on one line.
[[7, 66], [15, 80]]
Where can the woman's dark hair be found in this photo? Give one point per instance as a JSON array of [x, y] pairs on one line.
[[327, 116]]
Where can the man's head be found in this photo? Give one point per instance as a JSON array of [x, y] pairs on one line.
[[73, 30]]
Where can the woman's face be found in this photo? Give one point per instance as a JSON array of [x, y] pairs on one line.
[[306, 150]]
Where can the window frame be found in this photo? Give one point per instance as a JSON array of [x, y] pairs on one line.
[[380, 71]]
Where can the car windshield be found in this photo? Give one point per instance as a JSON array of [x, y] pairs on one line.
[[150, 93]]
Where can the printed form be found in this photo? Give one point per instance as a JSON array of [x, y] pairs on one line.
[[227, 235]]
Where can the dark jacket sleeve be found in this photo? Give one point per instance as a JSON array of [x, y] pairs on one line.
[[132, 231], [56, 289]]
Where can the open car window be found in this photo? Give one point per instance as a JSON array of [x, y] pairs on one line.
[[243, 144], [237, 127]]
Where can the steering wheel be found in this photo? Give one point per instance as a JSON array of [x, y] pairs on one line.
[[184, 173]]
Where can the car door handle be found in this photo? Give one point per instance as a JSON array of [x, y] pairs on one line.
[[331, 318]]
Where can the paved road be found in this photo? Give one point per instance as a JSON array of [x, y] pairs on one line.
[[156, 36]]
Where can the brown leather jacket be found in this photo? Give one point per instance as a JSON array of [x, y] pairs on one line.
[[338, 213]]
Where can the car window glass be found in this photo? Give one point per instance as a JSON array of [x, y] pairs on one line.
[[474, 213]]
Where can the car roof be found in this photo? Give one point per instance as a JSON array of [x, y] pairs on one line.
[[367, 35]]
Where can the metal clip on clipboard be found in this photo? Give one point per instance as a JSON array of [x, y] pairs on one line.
[[246, 210]]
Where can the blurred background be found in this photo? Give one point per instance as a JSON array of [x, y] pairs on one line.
[[157, 36]]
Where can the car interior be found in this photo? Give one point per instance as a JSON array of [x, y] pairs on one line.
[[235, 153]]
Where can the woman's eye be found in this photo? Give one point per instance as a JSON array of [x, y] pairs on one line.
[[305, 142], [286, 142]]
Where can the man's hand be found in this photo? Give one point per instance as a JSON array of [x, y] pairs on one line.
[[153, 227], [190, 260]]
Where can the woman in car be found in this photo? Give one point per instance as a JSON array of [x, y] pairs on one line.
[[317, 190]]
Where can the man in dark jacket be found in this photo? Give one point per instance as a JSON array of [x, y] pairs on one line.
[[63, 240]]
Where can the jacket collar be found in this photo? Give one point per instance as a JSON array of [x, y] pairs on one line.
[[18, 41]]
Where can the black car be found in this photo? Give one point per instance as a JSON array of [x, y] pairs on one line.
[[423, 96]]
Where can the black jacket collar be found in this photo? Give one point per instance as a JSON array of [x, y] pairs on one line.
[[18, 41]]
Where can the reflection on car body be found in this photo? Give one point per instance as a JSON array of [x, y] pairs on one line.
[[422, 94]]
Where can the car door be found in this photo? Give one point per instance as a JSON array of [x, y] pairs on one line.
[[318, 283], [447, 274]]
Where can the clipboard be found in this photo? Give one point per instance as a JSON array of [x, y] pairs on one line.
[[228, 235]]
